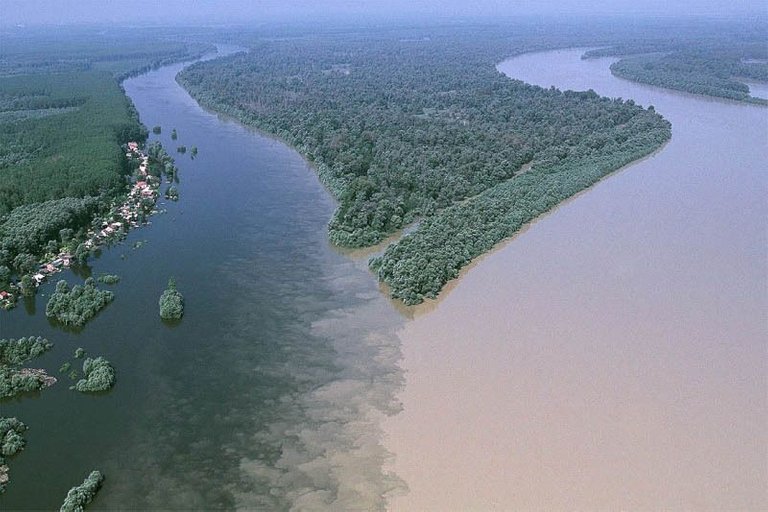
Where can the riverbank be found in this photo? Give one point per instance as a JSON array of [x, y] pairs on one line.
[[276, 378], [612, 355], [128, 211]]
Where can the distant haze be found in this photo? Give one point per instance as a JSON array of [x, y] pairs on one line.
[[158, 12]]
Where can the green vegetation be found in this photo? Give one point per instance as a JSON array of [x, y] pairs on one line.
[[157, 130], [14, 379], [108, 279], [11, 443], [80, 496], [63, 119], [79, 353], [171, 302], [19, 351], [400, 129], [709, 68], [160, 162], [26, 231], [99, 376], [78, 305], [418, 266], [172, 193], [174, 135], [75, 153]]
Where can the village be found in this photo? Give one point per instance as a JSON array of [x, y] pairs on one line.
[[138, 203]]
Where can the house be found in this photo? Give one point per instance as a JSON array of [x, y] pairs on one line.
[[38, 278], [5, 295], [133, 146]]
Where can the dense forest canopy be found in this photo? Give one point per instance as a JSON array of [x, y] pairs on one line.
[[63, 118], [402, 128]]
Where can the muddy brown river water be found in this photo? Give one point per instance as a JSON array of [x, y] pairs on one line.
[[613, 355]]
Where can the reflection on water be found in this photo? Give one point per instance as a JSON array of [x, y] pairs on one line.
[[613, 356], [270, 390]]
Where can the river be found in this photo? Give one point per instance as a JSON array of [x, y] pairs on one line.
[[613, 355], [269, 391]]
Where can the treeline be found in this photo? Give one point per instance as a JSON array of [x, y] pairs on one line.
[[118, 51], [421, 263], [405, 129], [73, 154], [709, 68], [27, 230]]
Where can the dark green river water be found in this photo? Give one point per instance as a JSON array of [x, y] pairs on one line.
[[268, 392]]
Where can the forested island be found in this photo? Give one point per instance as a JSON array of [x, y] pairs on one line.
[[700, 67], [81, 495], [171, 302], [403, 129]]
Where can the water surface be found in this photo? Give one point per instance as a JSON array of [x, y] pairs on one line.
[[268, 393], [612, 356]]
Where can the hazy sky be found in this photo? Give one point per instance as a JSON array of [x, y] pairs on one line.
[[32, 12]]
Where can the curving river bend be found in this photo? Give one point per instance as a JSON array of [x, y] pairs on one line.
[[611, 356]]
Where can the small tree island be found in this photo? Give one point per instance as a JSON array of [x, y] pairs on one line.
[[171, 302], [78, 305], [99, 376], [80, 496]]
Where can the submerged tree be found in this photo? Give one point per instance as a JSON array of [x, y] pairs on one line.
[[171, 302]]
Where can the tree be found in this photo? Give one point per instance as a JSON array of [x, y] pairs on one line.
[[25, 263], [171, 302], [5, 277], [78, 497], [66, 235], [99, 376], [27, 285]]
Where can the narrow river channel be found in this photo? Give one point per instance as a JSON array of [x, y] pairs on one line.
[[613, 355]]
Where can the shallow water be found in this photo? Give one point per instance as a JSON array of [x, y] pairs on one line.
[[612, 356], [268, 393]]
